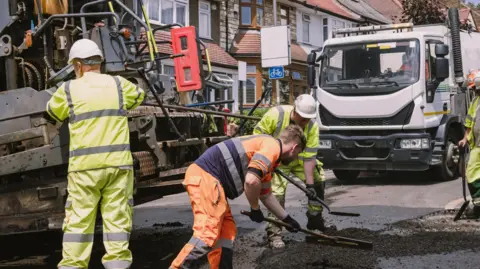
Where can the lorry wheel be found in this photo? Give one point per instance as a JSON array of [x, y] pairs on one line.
[[346, 175], [449, 169]]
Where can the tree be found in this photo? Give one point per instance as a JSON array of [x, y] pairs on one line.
[[423, 11]]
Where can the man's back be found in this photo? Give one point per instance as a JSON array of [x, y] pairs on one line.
[[96, 106], [229, 160]]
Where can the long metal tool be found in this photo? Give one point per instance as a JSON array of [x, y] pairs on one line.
[[305, 190], [463, 165], [323, 238]]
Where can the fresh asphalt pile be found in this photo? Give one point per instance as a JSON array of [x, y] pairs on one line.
[[157, 246]]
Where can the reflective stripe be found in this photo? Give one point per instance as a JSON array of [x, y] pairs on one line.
[[199, 249], [116, 236], [266, 185], [68, 204], [224, 243], [130, 202], [69, 267], [281, 114], [301, 158], [231, 167], [310, 126], [120, 93], [69, 100], [50, 111], [98, 114], [77, 238], [314, 203], [117, 264], [469, 117], [100, 149], [311, 150], [265, 160], [136, 99], [243, 155]]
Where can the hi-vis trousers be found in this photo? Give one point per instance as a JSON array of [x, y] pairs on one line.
[[113, 188], [214, 229]]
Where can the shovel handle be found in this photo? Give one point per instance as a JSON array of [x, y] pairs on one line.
[[281, 223]]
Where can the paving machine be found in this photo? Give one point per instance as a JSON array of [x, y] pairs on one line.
[[35, 39]]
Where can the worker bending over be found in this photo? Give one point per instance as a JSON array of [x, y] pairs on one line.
[[100, 165], [306, 167], [472, 138], [225, 171]]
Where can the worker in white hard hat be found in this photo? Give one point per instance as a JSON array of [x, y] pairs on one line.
[[100, 166], [306, 167]]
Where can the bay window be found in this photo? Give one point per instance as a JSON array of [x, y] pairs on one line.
[[251, 13], [167, 11]]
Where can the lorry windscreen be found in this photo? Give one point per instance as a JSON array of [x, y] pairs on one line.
[[370, 68]]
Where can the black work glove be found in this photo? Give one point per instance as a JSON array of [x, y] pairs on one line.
[[312, 194], [295, 225], [256, 215]]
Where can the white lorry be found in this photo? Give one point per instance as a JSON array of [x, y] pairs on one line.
[[391, 97]]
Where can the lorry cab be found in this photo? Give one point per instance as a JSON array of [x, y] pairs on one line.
[[386, 100]]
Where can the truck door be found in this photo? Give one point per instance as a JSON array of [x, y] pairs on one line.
[[441, 103]]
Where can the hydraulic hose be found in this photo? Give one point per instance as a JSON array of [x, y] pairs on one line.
[[456, 44]]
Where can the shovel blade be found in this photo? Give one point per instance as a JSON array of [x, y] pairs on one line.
[[340, 243], [461, 210], [348, 214]]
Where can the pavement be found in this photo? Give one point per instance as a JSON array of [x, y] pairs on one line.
[[405, 217]]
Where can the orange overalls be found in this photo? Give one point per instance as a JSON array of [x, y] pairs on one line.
[[219, 174]]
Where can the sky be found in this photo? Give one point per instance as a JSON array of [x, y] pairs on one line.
[[473, 1]]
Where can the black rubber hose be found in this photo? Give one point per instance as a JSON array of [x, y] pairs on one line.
[[456, 44]]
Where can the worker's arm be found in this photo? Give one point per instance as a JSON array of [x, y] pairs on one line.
[[309, 155], [132, 94], [272, 204], [57, 107], [267, 124], [469, 122]]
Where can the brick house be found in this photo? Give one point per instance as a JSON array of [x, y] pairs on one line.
[[204, 15]]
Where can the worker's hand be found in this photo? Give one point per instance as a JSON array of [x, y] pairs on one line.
[[256, 215], [312, 194], [295, 225], [462, 142]]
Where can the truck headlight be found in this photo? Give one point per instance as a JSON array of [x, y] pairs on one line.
[[416, 143], [325, 144]]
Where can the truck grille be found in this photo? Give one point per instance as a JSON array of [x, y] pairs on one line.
[[401, 118]]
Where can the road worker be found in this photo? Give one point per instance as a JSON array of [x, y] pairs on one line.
[[472, 122], [100, 163], [224, 171], [306, 167]]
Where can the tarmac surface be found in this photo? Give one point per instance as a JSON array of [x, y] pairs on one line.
[[408, 219]]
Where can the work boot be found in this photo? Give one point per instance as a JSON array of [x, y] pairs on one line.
[[472, 212], [316, 222], [274, 232]]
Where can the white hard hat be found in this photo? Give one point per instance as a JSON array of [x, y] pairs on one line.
[[84, 48], [305, 106]]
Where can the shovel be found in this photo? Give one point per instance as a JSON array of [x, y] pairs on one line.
[[323, 238], [463, 164], [305, 190]]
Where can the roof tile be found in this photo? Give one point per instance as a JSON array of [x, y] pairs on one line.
[[334, 7], [391, 9]]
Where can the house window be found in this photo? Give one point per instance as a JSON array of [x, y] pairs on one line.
[[204, 25], [306, 27], [325, 29], [250, 95], [251, 12], [167, 11], [284, 15], [168, 70]]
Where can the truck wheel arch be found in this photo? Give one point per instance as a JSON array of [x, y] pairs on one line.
[[448, 122]]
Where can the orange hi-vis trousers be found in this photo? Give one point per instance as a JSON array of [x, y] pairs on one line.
[[214, 229]]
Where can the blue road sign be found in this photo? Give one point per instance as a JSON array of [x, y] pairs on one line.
[[276, 72]]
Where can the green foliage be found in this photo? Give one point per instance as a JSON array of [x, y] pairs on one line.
[[250, 124], [423, 11]]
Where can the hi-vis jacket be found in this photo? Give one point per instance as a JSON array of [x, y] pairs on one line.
[[96, 106], [470, 122], [278, 118]]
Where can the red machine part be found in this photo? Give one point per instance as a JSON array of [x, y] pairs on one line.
[[187, 67]]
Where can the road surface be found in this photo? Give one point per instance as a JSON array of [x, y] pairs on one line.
[[404, 217]]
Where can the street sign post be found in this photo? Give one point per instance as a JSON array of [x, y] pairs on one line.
[[276, 72]]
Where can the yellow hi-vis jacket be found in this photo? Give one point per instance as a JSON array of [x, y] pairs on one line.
[[278, 118], [469, 121], [96, 106]]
